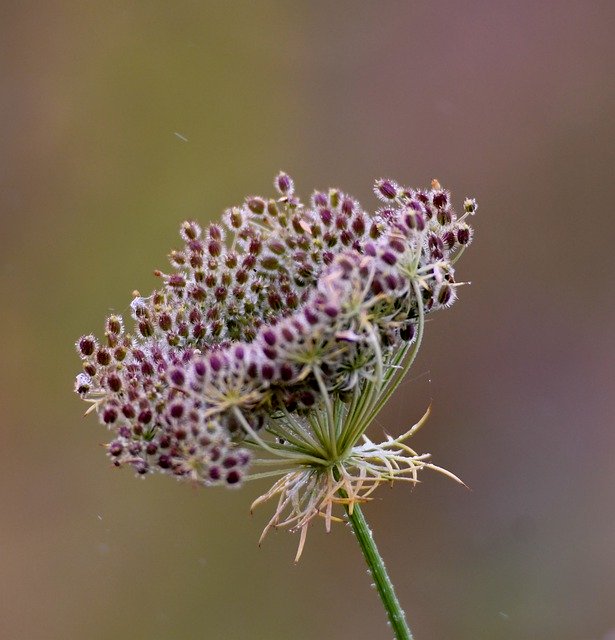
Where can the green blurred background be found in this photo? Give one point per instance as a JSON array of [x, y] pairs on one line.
[[119, 120]]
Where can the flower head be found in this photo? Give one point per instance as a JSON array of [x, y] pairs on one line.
[[275, 340]]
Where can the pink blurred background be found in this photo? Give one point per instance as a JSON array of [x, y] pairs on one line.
[[118, 120]]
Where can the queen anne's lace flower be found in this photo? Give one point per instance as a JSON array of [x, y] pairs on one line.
[[275, 340]]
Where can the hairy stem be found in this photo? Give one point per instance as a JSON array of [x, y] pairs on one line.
[[383, 583]]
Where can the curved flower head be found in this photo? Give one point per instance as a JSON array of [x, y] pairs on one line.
[[275, 340]]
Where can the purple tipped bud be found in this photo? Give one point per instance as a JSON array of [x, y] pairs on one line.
[[267, 371], [348, 205], [114, 325], [440, 199], [449, 239], [388, 257], [358, 225], [115, 448], [200, 368], [445, 294], [464, 234], [114, 382], [310, 315], [233, 477], [215, 362], [164, 321], [286, 372], [270, 337], [319, 199], [326, 216], [103, 357], [284, 184], [215, 232], [86, 345], [235, 219], [415, 220], [190, 230], [270, 352], [177, 410], [129, 411], [109, 415], [332, 310], [214, 248], [370, 249], [386, 190], [177, 377], [146, 329], [177, 280], [145, 417], [391, 281]]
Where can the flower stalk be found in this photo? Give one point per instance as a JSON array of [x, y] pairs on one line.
[[378, 571]]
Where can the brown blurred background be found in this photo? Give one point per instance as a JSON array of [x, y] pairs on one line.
[[120, 119]]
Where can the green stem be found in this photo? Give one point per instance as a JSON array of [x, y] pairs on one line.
[[378, 571]]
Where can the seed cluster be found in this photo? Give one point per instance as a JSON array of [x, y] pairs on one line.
[[277, 310]]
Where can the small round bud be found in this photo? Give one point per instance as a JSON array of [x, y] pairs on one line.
[[109, 415], [86, 345], [284, 184], [470, 206], [190, 230], [445, 294], [177, 280], [286, 372], [129, 411], [103, 357], [114, 382], [114, 325], [464, 234], [177, 410], [440, 199], [449, 239], [386, 190], [256, 205], [146, 329], [145, 417], [319, 199], [115, 448], [233, 477]]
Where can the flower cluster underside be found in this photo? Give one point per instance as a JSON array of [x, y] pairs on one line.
[[276, 340]]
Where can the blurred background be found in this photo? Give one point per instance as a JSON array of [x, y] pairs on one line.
[[121, 119]]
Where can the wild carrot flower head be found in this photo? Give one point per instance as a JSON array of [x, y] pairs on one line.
[[274, 340]]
